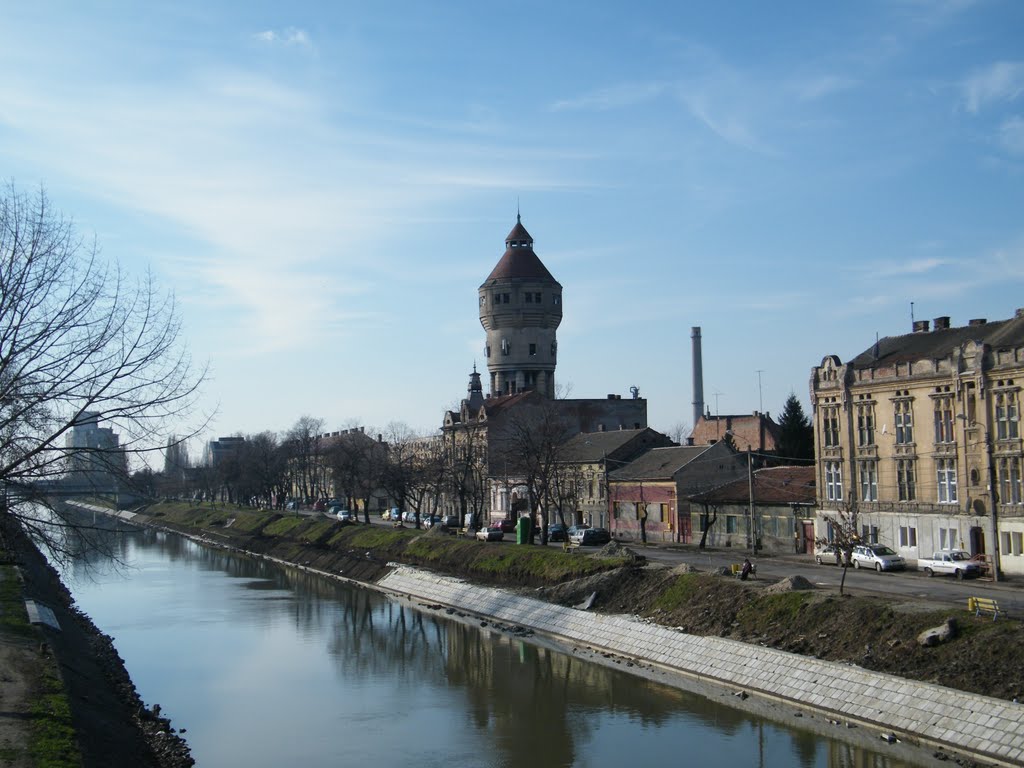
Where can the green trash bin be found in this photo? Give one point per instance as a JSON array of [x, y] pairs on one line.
[[523, 530]]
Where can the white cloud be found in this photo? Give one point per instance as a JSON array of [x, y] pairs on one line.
[[290, 36], [1002, 81], [912, 267], [1011, 135], [814, 88], [614, 97]]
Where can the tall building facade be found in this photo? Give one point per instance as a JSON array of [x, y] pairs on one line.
[[921, 435], [95, 456], [520, 310]]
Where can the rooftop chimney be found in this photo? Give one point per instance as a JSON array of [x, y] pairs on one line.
[[940, 323], [920, 326], [977, 321]]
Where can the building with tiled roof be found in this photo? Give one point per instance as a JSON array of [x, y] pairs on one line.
[[920, 435], [755, 432], [520, 310], [650, 495], [591, 455], [772, 510]]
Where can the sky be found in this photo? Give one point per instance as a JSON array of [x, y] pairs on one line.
[[324, 186]]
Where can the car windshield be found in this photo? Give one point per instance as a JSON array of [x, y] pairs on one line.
[[958, 556], [882, 550]]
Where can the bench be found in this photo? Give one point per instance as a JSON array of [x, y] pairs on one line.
[[984, 605], [735, 568]]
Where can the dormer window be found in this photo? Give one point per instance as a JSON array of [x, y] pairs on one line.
[[505, 346]]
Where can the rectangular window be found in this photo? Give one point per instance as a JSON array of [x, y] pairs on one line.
[[906, 482], [1004, 543], [944, 419], [948, 538], [868, 481], [945, 478], [869, 534], [1007, 422], [536, 297], [1018, 542], [908, 536], [506, 298], [865, 424], [904, 421], [730, 523], [1009, 471], [830, 425], [529, 298], [834, 480], [533, 350]]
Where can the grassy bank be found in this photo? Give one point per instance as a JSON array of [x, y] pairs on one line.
[[318, 539], [45, 738]]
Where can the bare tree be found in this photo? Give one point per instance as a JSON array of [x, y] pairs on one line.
[[303, 449], [398, 474], [533, 441], [843, 533], [81, 344], [678, 432]]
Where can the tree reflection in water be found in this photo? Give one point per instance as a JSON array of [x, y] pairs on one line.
[[482, 688]]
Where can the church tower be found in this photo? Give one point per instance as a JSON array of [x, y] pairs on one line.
[[520, 309]]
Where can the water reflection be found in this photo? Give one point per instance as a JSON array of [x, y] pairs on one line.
[[242, 651]]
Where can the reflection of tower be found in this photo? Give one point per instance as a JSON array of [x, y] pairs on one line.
[[520, 308]]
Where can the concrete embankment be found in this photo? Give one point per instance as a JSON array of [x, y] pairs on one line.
[[980, 727]]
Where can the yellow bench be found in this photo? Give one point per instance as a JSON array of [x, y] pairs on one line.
[[984, 605], [735, 568]]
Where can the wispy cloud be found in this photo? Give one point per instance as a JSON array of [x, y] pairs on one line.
[[289, 36], [614, 97], [821, 86], [1011, 135], [912, 267], [1002, 81]]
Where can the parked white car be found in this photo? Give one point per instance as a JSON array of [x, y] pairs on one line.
[[877, 556], [950, 561]]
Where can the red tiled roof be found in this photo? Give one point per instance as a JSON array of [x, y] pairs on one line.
[[773, 485]]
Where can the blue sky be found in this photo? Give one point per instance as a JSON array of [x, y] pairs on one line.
[[324, 186]]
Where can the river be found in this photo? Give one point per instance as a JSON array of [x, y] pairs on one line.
[[266, 666]]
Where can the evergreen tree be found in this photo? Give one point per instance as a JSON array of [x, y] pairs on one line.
[[796, 440]]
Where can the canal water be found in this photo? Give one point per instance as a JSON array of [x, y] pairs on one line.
[[264, 666]]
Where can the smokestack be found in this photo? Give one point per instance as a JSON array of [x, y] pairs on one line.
[[698, 377]]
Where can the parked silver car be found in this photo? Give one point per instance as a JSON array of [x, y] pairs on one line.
[[828, 555], [877, 556]]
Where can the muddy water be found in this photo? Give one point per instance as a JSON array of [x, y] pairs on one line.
[[263, 666]]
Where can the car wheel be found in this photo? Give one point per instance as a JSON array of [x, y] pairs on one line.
[[878, 567], [818, 560], [930, 572], [959, 574], [856, 565]]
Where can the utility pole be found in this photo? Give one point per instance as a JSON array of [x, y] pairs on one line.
[[750, 512]]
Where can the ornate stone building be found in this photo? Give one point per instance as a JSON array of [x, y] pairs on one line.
[[520, 308], [920, 434]]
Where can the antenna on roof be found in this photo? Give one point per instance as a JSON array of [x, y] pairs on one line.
[[911, 314], [517, 210]]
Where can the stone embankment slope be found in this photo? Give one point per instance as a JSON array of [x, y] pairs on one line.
[[979, 726]]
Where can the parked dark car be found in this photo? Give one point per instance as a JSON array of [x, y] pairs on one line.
[[450, 521], [508, 526], [594, 537], [556, 532]]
